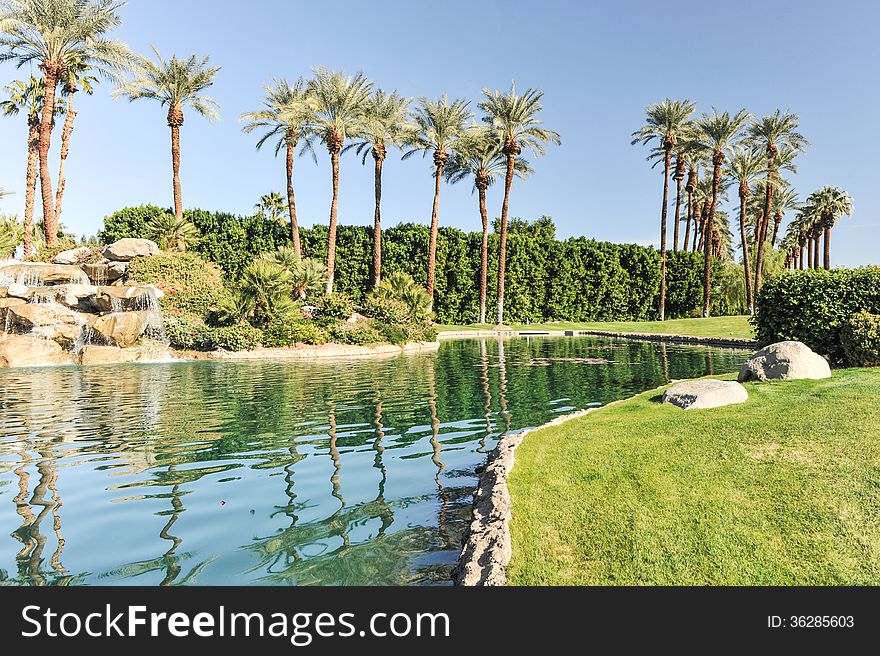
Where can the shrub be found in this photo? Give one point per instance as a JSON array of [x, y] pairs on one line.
[[401, 287], [812, 307], [293, 333], [860, 339], [421, 333], [190, 333], [333, 309], [47, 253], [359, 334], [393, 333], [129, 222], [385, 310], [191, 285], [184, 332]]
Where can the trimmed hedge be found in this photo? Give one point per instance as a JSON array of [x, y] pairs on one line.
[[191, 285], [813, 306], [860, 338], [577, 279]]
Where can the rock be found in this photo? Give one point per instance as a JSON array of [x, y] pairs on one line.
[[122, 328], [121, 299], [38, 275], [3, 292], [701, 394], [30, 351], [72, 256], [356, 317], [107, 355], [16, 290], [117, 269], [130, 248], [785, 361], [36, 315], [11, 302]]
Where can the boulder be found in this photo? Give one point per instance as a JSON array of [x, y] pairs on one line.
[[30, 351], [702, 394], [16, 290], [129, 248], [38, 275], [107, 355], [785, 361], [122, 328], [72, 256], [10, 302], [121, 299], [36, 315]]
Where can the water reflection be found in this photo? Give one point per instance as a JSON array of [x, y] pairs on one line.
[[283, 473]]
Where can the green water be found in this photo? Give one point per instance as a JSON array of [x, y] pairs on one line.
[[325, 472]]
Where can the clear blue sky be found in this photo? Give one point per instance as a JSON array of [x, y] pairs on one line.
[[598, 64]]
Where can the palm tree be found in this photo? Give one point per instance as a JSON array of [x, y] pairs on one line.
[[828, 205], [56, 34], [271, 207], [400, 286], [717, 133], [307, 275], [175, 83], [76, 78], [385, 124], [666, 121], [11, 235], [28, 96], [479, 155], [514, 119], [773, 133], [172, 233], [286, 116], [439, 125], [785, 200], [746, 164], [340, 101]]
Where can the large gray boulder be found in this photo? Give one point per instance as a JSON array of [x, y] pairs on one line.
[[72, 256], [129, 248], [41, 274], [702, 394], [785, 361]]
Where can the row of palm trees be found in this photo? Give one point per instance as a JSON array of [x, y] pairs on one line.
[[748, 151], [68, 41], [812, 226], [346, 112]]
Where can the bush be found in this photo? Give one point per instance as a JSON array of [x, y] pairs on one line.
[[293, 333], [47, 253], [393, 333], [190, 333], [191, 285], [813, 306], [860, 339], [184, 332], [385, 310], [333, 309], [358, 334], [129, 222]]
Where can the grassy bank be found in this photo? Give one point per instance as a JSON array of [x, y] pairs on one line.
[[712, 327], [784, 489]]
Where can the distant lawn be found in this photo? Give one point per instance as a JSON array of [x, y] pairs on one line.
[[712, 327], [782, 490]]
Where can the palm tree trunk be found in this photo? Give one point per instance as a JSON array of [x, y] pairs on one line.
[[291, 202], [502, 246], [827, 249], [484, 253], [801, 258], [707, 238], [777, 221], [435, 220], [65, 150], [816, 246], [331, 236], [810, 253], [30, 187], [377, 224], [750, 299], [175, 169], [50, 225], [761, 233], [690, 216], [677, 214], [663, 212]]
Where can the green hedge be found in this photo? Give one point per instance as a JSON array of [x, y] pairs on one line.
[[577, 279], [191, 285], [813, 306]]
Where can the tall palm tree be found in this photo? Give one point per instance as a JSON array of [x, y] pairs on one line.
[[340, 102], [174, 83], [386, 125], [76, 78], [28, 97], [828, 205], [286, 117], [271, 207], [478, 155], [439, 124], [746, 164], [717, 133], [514, 119], [784, 200], [54, 34], [773, 133], [665, 123]]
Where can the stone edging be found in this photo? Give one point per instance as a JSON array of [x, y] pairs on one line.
[[486, 548], [306, 352]]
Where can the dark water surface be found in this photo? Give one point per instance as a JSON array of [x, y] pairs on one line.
[[323, 472]]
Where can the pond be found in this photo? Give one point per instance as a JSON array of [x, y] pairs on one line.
[[354, 472]]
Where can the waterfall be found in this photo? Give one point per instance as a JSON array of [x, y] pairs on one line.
[[155, 327], [42, 296], [84, 338]]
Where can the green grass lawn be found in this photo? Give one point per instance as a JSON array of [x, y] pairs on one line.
[[784, 489], [712, 327]]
